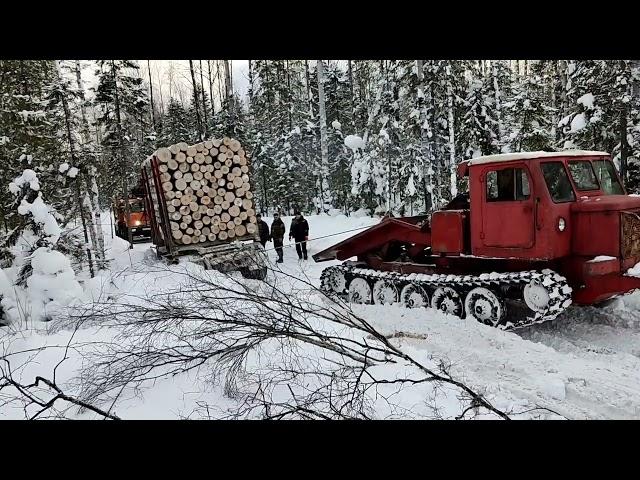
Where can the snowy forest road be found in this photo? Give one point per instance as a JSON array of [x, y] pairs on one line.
[[583, 365]]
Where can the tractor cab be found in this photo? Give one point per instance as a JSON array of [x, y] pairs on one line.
[[530, 205]]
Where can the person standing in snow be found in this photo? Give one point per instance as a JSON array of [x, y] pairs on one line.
[[300, 232], [277, 235], [263, 230]]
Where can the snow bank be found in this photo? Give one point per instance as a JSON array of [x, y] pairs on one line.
[[8, 305], [354, 142], [336, 124], [361, 213], [52, 284]]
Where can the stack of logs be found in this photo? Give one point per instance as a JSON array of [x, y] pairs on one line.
[[207, 191]]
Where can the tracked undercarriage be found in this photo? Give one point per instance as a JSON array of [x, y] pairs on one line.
[[503, 300]]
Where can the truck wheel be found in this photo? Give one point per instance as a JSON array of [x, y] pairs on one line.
[[483, 305], [414, 296], [447, 300], [384, 292], [359, 291], [333, 281]]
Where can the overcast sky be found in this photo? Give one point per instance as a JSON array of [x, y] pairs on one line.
[[159, 73]]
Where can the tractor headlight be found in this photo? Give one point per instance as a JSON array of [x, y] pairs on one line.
[[562, 224], [137, 222]]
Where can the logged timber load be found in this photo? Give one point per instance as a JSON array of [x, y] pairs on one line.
[[537, 232], [200, 199]]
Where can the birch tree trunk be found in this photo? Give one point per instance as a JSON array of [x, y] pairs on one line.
[[195, 100], [309, 98], [452, 135], [160, 91], [424, 145], [213, 108], [229, 92], [153, 117], [496, 91], [125, 187], [204, 104], [74, 161], [352, 103], [324, 151], [93, 200]]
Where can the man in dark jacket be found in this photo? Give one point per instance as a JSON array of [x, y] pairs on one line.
[[300, 232], [277, 235], [263, 230]]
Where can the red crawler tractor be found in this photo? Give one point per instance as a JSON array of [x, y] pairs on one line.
[[536, 232]]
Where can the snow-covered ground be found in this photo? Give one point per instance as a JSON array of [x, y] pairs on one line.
[[584, 364]]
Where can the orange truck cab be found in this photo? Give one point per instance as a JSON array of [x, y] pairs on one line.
[[137, 221]]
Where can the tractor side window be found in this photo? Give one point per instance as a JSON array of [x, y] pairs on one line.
[[583, 175], [605, 171], [507, 185], [557, 180]]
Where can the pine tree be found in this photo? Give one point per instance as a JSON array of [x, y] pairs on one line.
[[176, 125], [27, 135], [479, 130], [531, 115]]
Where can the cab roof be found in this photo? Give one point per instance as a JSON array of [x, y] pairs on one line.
[[505, 157], [463, 167]]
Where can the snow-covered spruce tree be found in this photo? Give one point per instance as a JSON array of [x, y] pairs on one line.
[[531, 116], [633, 166], [176, 125], [479, 130], [122, 104], [37, 227], [370, 175], [90, 155], [27, 134], [284, 157], [45, 272], [76, 171], [603, 110], [339, 119], [584, 125], [417, 124], [445, 82], [412, 179], [501, 89]]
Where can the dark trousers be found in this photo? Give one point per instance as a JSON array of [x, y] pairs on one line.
[[264, 243], [301, 248], [277, 243]]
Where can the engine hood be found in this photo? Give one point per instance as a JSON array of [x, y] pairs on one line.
[[606, 203]]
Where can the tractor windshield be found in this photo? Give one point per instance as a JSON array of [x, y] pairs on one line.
[[557, 180], [605, 171], [136, 207], [583, 175]]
